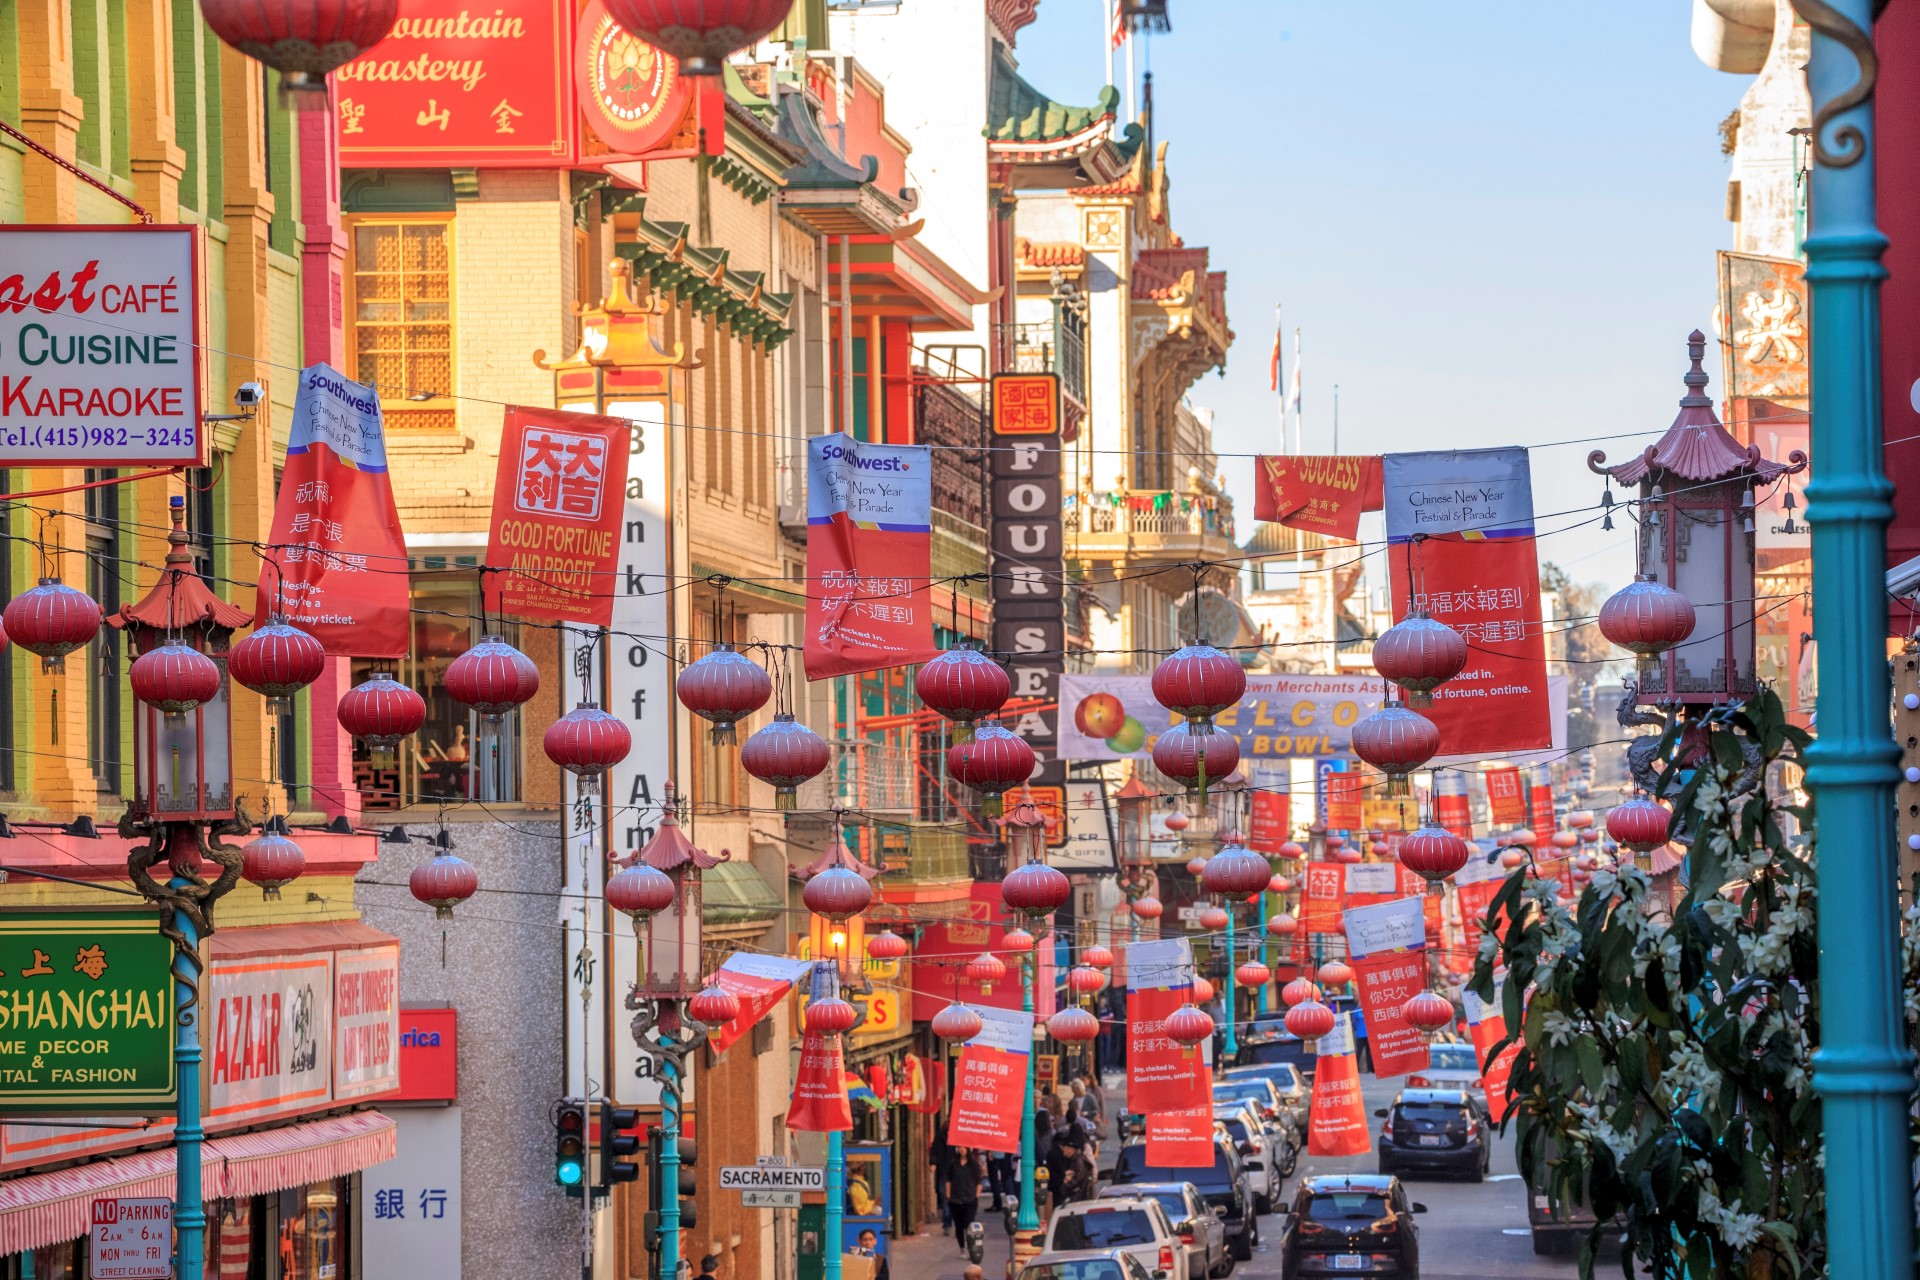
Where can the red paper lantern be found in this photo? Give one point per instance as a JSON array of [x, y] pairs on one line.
[[1293, 850], [1419, 655], [1198, 683], [1202, 990], [587, 742], [1147, 907], [723, 687], [51, 621], [700, 33], [838, 893], [1511, 858], [1176, 821], [1580, 819], [1073, 1026], [1565, 839], [1035, 890], [271, 859], [1236, 872], [302, 41], [1299, 991], [829, 1015], [1396, 741], [1521, 836], [986, 969], [639, 890], [1309, 1020], [1253, 974], [492, 677], [380, 711], [956, 1022], [996, 761], [963, 685], [443, 883], [1348, 854], [1084, 981], [1097, 956], [887, 945], [1646, 617], [1188, 1025], [1017, 941], [1280, 884], [1214, 919], [784, 754], [1434, 853], [715, 1007], [277, 661], [1334, 840], [1335, 974], [174, 678], [1428, 1012], [1193, 759], [1640, 824], [1196, 866], [1282, 925]]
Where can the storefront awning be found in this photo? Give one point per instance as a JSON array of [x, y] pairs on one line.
[[45, 1208]]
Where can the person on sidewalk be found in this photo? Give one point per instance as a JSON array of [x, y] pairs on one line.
[[964, 1176], [1000, 1179], [940, 1157]]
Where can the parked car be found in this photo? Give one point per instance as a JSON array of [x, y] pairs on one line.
[[1266, 1041], [1258, 1149], [1224, 1183], [1259, 1092], [1451, 1064], [1350, 1224], [1438, 1130], [1200, 1230], [1295, 1094], [1135, 1225], [1562, 1230], [1085, 1264]]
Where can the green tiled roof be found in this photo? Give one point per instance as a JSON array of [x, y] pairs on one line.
[[1018, 112], [734, 893]]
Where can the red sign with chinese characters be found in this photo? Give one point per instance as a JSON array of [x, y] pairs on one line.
[[1271, 820], [1337, 1123], [1319, 495], [1346, 796], [820, 1102], [1540, 798], [1320, 900], [558, 498], [1385, 982], [1506, 801], [1026, 404], [1162, 1074], [456, 85], [989, 1085], [939, 961]]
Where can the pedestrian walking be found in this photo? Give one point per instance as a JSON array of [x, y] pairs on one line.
[[964, 1175], [940, 1158]]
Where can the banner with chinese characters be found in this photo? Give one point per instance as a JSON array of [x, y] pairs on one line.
[[1162, 1075], [558, 496], [1506, 800], [1540, 804], [820, 1103], [869, 555], [1323, 495], [1337, 1123], [1346, 798], [1461, 545], [336, 563], [1488, 1027], [989, 1085], [1387, 947], [1452, 805], [1181, 1138], [1474, 888], [758, 982], [1280, 717], [1024, 497], [1269, 826], [937, 966], [1324, 886]]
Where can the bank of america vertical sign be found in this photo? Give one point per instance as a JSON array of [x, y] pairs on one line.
[[1029, 594]]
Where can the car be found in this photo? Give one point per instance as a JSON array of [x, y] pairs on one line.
[[1295, 1094], [1261, 1094], [1435, 1130], [1085, 1264], [1224, 1184], [1134, 1225], [1200, 1230], [1451, 1064], [1266, 1042], [1261, 1151], [1350, 1225]]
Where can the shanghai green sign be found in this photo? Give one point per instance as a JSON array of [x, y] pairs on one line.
[[86, 1013]]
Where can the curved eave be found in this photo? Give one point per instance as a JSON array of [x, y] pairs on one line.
[[903, 279]]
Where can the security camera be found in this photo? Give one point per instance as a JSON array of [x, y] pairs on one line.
[[1904, 578], [249, 395]]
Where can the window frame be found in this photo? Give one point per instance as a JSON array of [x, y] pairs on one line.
[[398, 409]]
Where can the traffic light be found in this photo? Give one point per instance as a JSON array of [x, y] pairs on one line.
[[689, 1183], [570, 1145], [617, 1144]]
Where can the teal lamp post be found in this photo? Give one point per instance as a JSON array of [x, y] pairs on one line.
[[1034, 890], [1234, 874], [1862, 1070]]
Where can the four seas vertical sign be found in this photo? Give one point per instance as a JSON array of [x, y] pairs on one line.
[[1029, 592]]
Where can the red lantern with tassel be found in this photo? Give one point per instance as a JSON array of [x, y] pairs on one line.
[[492, 677], [1073, 1026], [1640, 824], [1197, 683], [174, 678], [51, 621], [1434, 853], [964, 685], [380, 711], [723, 687], [785, 754], [277, 661], [1646, 617], [1396, 741], [996, 761], [1419, 655], [587, 742], [1195, 760], [444, 883], [957, 1023]]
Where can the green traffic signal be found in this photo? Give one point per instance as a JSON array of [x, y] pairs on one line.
[[570, 1145]]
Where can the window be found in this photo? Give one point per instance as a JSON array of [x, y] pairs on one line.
[[1345, 1208], [103, 584], [1102, 1229], [402, 316], [1452, 1057]]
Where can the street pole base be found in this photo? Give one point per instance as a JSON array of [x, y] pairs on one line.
[[1026, 1247]]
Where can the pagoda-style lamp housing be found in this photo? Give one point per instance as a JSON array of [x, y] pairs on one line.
[[839, 938], [1135, 804], [1026, 833], [1696, 510], [182, 761], [671, 964]]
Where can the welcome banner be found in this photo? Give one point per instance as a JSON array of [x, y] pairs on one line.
[[1387, 947], [336, 566], [1161, 1075], [1322, 495], [869, 556], [1337, 1122], [559, 494], [1281, 717], [989, 1086], [1460, 525], [759, 983]]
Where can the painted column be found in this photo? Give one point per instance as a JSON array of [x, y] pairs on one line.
[[835, 1243], [1028, 1218], [189, 1211], [670, 1169], [1862, 1070], [1231, 1045]]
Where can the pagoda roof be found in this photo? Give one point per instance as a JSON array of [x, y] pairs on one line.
[[181, 599], [1697, 447], [1050, 253], [1179, 274], [669, 850], [1026, 127], [1135, 789], [837, 855]]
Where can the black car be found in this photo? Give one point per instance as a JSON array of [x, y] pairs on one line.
[[1350, 1225], [1224, 1185], [1435, 1130]]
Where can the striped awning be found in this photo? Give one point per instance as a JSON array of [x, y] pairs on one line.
[[40, 1209]]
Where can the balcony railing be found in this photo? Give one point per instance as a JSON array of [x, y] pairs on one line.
[[1148, 512], [864, 776], [1041, 347], [932, 852]]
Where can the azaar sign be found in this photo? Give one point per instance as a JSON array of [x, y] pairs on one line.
[[1029, 627]]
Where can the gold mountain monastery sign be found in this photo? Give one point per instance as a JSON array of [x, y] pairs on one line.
[[631, 93]]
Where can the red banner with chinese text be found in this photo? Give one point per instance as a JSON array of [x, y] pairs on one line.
[[1386, 945], [820, 1102], [1346, 796], [989, 1085], [1270, 821], [1540, 800], [1452, 806], [939, 961], [1323, 495], [1162, 1075], [1506, 797], [1488, 1027], [1325, 883], [558, 499], [1337, 1122], [869, 556], [1180, 1139], [758, 982]]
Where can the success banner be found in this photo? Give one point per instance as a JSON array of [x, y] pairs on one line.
[[1322, 495], [989, 1086], [1161, 1075], [869, 556]]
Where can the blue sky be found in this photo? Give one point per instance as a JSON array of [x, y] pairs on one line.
[[1493, 224]]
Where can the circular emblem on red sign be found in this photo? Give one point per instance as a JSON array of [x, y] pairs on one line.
[[631, 93]]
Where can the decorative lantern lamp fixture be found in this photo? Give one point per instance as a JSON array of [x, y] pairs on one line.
[[829, 1016], [985, 969], [1073, 1025], [1280, 884], [724, 686], [586, 742], [1197, 683], [996, 761], [1293, 850], [1194, 759], [956, 1024], [1434, 854], [1147, 907], [1236, 873], [52, 620], [1396, 741], [1177, 821], [670, 968], [785, 754], [1696, 537], [1419, 655], [492, 677], [1083, 980], [1640, 824], [380, 711], [1202, 990], [1196, 866], [278, 660], [303, 42], [702, 34], [837, 893], [1134, 803], [1032, 888], [964, 685], [1252, 974]]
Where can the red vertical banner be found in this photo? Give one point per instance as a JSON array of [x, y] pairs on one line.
[[1320, 899], [989, 1086], [820, 1102], [1452, 806], [1506, 796], [1460, 529], [1386, 945], [1162, 1075], [337, 559], [1180, 1139], [1488, 1027], [1540, 801], [1337, 1123], [869, 556], [1270, 822], [559, 494], [1346, 796]]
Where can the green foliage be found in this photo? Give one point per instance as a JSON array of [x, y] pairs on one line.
[[1663, 1073]]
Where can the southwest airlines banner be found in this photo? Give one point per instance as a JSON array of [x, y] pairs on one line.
[[1387, 947], [1161, 1075], [1488, 1027], [1337, 1123], [559, 495], [1322, 495], [759, 983], [337, 566], [1180, 1139], [1460, 523], [869, 556], [1281, 717], [989, 1086]]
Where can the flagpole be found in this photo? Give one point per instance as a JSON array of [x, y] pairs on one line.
[[1279, 383], [1109, 11], [1133, 90]]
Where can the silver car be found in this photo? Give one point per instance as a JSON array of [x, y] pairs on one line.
[[1084, 1264], [1452, 1065], [1136, 1226], [1194, 1221], [1295, 1095], [1259, 1149]]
